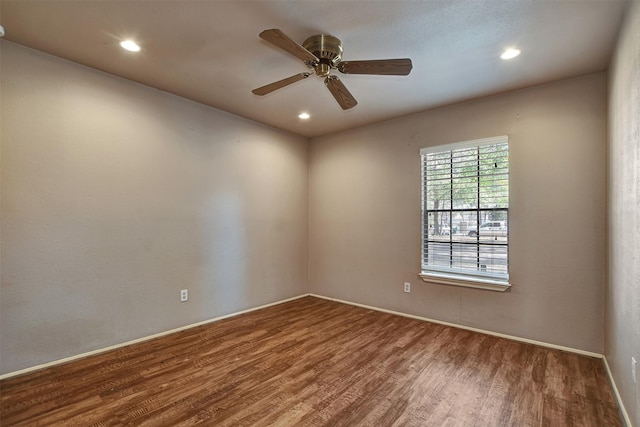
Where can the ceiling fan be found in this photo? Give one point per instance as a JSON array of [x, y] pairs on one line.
[[323, 53]]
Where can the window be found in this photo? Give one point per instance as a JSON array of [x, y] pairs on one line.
[[465, 213]]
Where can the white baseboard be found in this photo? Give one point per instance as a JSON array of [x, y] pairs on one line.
[[625, 415], [469, 328], [138, 340], [215, 319], [616, 393]]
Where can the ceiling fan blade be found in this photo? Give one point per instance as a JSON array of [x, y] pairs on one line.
[[386, 67], [280, 84], [340, 92], [281, 40]]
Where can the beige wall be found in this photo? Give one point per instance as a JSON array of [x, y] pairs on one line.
[[623, 292], [115, 196], [364, 204]]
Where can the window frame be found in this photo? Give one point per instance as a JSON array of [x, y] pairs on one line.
[[451, 276]]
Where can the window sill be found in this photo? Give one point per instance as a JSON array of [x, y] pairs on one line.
[[467, 282]]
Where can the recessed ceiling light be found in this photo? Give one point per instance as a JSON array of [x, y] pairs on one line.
[[510, 53], [130, 45], [303, 116]]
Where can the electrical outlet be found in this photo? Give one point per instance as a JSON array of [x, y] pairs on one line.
[[634, 369], [407, 287], [184, 295]]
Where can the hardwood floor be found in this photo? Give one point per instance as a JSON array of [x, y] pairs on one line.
[[312, 362]]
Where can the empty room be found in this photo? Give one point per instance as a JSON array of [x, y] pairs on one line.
[[320, 213]]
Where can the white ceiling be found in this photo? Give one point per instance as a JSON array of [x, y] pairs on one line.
[[209, 51]]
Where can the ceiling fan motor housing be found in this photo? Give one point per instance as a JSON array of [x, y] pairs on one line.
[[326, 48]]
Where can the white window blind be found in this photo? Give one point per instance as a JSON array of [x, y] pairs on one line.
[[465, 210]]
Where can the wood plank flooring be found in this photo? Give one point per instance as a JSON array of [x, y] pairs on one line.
[[312, 362]]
